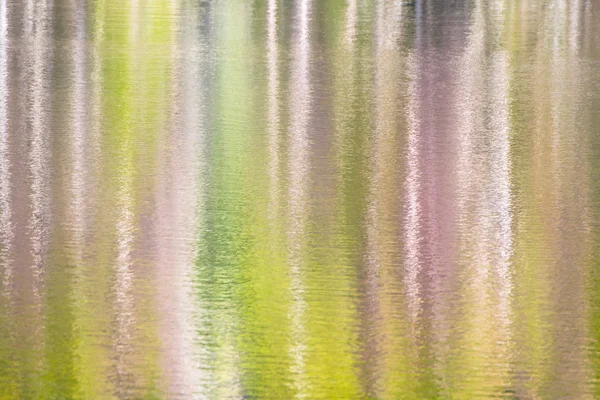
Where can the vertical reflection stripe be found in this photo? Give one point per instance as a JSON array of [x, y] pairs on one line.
[[300, 103]]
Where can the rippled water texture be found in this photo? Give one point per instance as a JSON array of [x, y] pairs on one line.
[[299, 199]]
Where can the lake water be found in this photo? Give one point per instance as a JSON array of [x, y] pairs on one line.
[[268, 199]]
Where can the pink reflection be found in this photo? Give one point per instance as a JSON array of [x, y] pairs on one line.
[[37, 30], [6, 229]]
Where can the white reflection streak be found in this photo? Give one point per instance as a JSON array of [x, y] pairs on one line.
[[125, 241], [351, 18], [6, 231], [200, 123], [298, 154], [473, 189], [501, 160], [500, 207], [484, 184], [273, 108], [413, 189], [587, 17], [37, 31], [93, 146], [196, 128], [469, 112], [124, 275], [412, 233], [133, 21], [574, 22], [181, 195], [78, 177]]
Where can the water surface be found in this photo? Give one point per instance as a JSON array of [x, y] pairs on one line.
[[299, 199]]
